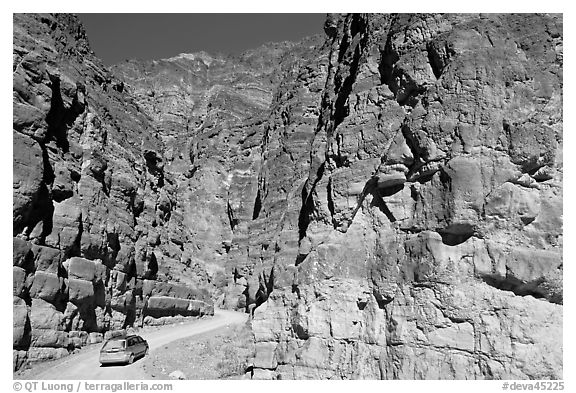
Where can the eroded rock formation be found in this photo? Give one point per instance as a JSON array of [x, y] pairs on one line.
[[94, 231], [430, 227], [386, 200]]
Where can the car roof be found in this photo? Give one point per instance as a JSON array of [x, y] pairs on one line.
[[123, 337], [117, 338]]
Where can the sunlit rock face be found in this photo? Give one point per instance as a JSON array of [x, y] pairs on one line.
[[96, 228], [430, 216], [386, 200], [238, 178]]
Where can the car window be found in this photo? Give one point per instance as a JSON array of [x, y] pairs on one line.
[[115, 344]]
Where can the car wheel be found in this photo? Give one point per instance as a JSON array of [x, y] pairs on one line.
[[131, 359], [147, 351]]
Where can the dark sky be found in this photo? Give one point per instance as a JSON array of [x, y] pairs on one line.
[[116, 37]]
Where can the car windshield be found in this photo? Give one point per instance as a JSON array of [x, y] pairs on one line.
[[115, 344]]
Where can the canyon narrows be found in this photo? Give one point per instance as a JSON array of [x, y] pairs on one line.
[[385, 199]]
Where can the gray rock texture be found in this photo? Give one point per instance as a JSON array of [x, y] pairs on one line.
[[386, 200], [94, 237], [430, 246]]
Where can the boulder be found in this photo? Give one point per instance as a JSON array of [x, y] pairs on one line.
[[21, 324], [265, 355], [95, 338], [22, 254], [80, 291], [44, 315], [19, 281], [19, 358], [46, 286], [47, 259], [44, 354], [49, 338], [28, 168]]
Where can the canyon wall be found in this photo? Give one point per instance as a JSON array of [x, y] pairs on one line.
[[213, 113], [98, 237], [386, 200], [430, 219]]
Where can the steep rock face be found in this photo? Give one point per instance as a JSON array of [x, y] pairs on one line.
[[213, 116], [386, 203], [430, 226], [92, 205], [385, 212]]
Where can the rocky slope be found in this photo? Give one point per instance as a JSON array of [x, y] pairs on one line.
[[386, 200]]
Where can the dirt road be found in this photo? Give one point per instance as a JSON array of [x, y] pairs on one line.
[[85, 365]]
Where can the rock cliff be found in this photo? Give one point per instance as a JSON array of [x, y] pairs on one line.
[[386, 200], [430, 219], [98, 242]]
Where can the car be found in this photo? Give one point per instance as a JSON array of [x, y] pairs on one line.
[[123, 349]]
